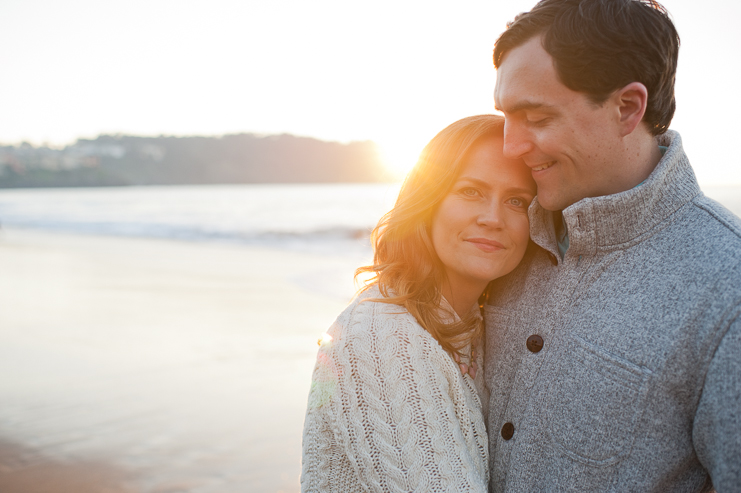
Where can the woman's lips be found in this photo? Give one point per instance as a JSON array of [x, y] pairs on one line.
[[485, 244]]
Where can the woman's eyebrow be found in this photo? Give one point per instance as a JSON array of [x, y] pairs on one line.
[[486, 184], [477, 181]]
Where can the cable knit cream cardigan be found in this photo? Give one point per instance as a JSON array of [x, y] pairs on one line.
[[389, 410]]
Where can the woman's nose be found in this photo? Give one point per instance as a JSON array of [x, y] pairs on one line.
[[492, 215]]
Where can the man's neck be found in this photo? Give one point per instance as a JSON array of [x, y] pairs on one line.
[[642, 154], [631, 163]]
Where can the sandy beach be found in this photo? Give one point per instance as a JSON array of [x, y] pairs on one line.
[[139, 365]]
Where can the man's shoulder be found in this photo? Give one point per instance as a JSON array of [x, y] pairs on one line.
[[720, 219], [713, 235], [703, 236]]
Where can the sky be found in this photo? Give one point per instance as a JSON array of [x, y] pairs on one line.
[[395, 72]]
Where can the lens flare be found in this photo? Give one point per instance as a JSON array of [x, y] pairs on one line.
[[324, 339]]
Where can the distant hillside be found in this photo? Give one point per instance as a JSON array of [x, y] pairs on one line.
[[241, 158]]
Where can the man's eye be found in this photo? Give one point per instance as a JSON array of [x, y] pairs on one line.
[[537, 121]]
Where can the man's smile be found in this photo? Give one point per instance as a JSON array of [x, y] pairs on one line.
[[542, 167]]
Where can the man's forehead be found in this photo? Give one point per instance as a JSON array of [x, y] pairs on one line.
[[524, 78], [529, 56]]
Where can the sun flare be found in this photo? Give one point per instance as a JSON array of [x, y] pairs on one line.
[[400, 156]]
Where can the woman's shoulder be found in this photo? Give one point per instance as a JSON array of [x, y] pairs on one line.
[[370, 302], [369, 316]]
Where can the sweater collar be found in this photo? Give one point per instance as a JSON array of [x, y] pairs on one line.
[[608, 221]]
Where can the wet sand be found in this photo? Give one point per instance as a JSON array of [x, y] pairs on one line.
[[26, 471], [157, 366]]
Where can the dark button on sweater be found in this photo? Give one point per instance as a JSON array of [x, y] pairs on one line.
[[508, 430], [534, 343]]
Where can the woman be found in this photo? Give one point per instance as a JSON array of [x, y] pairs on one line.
[[394, 403]]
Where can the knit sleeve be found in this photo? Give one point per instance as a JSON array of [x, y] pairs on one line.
[[396, 410], [717, 427]]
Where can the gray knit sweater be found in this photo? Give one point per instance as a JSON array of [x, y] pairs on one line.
[[637, 383]]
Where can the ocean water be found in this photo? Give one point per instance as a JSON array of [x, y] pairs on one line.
[[332, 218], [328, 218]]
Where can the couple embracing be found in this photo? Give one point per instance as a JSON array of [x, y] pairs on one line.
[[555, 306]]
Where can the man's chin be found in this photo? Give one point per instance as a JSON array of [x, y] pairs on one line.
[[551, 202]]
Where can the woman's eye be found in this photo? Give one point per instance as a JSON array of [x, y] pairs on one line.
[[518, 202], [469, 192]]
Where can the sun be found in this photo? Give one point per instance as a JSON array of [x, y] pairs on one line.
[[400, 155]]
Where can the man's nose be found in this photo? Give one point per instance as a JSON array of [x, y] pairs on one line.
[[517, 141]]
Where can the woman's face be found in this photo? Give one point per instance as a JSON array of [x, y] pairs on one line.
[[480, 230]]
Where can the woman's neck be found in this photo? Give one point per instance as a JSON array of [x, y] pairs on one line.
[[461, 298]]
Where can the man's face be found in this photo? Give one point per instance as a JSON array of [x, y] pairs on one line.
[[568, 142]]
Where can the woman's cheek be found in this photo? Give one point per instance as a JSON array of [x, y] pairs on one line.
[[522, 231]]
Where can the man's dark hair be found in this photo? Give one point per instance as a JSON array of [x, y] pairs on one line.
[[599, 46]]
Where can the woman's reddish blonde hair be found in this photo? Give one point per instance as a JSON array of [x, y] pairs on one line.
[[405, 266]]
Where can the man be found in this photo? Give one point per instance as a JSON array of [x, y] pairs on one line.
[[614, 350]]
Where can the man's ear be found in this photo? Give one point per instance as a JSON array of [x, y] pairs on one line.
[[631, 101]]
